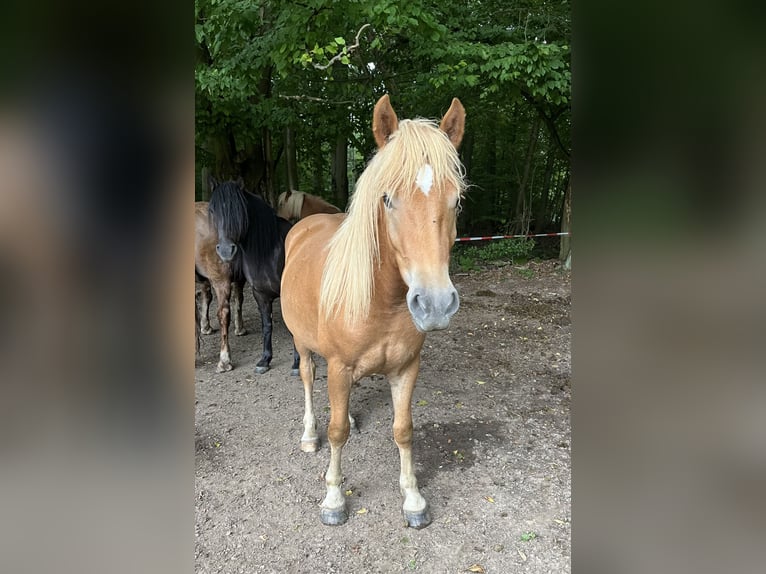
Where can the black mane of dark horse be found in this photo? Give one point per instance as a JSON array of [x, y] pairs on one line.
[[250, 223]]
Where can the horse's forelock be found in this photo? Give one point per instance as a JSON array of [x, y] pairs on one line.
[[228, 210]]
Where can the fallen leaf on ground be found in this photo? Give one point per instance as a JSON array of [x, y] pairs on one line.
[[489, 499], [362, 511], [476, 568]]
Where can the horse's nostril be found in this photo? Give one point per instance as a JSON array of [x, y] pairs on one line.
[[454, 304]]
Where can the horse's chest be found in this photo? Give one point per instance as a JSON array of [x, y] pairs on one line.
[[387, 354]]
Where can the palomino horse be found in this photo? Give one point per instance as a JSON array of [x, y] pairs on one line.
[[248, 229], [362, 289], [295, 205], [225, 278]]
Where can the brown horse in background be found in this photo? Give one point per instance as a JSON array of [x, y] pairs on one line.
[[362, 289], [224, 277], [294, 205]]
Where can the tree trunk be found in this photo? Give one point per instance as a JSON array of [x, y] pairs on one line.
[[224, 153], [542, 206], [268, 175], [466, 154], [521, 223], [566, 224], [340, 172], [291, 159], [318, 186]]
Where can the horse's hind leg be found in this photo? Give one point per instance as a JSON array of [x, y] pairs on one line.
[[239, 325], [265, 305], [415, 508], [223, 292], [205, 297], [333, 508], [309, 440]]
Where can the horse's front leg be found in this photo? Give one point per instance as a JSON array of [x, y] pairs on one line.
[[415, 508], [204, 315], [333, 509], [223, 292], [239, 325], [265, 305]]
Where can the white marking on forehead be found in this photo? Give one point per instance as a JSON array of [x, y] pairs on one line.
[[425, 178]]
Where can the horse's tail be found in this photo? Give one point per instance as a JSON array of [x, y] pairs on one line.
[[197, 334]]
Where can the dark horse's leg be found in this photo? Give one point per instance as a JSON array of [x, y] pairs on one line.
[[265, 304], [296, 362]]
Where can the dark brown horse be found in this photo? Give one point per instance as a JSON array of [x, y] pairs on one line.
[[294, 205], [362, 289], [224, 277]]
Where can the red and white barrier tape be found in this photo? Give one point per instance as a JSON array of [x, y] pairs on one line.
[[488, 237]]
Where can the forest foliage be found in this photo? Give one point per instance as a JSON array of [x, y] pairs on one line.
[[285, 90]]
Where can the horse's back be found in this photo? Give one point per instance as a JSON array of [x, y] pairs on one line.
[[204, 239], [312, 233], [201, 219], [316, 205]]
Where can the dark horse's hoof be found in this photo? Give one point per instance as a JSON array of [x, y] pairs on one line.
[[260, 369], [417, 520], [333, 517], [295, 372]]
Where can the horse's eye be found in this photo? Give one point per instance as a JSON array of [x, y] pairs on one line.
[[387, 201]]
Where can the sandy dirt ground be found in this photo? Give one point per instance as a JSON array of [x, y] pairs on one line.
[[491, 446]]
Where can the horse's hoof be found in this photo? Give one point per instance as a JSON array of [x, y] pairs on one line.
[[334, 517], [295, 372], [417, 520], [260, 369], [223, 367], [206, 331], [240, 332], [311, 445]]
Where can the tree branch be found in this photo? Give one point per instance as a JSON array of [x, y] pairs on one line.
[[340, 54], [549, 122], [303, 98]]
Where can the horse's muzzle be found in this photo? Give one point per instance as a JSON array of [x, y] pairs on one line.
[[226, 251], [431, 309]]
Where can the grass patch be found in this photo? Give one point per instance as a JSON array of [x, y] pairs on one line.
[[470, 257]]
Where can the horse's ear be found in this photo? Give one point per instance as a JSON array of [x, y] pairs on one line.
[[453, 122], [212, 183], [240, 182], [384, 121]]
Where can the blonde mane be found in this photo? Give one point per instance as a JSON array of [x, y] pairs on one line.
[[353, 252], [291, 207]]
